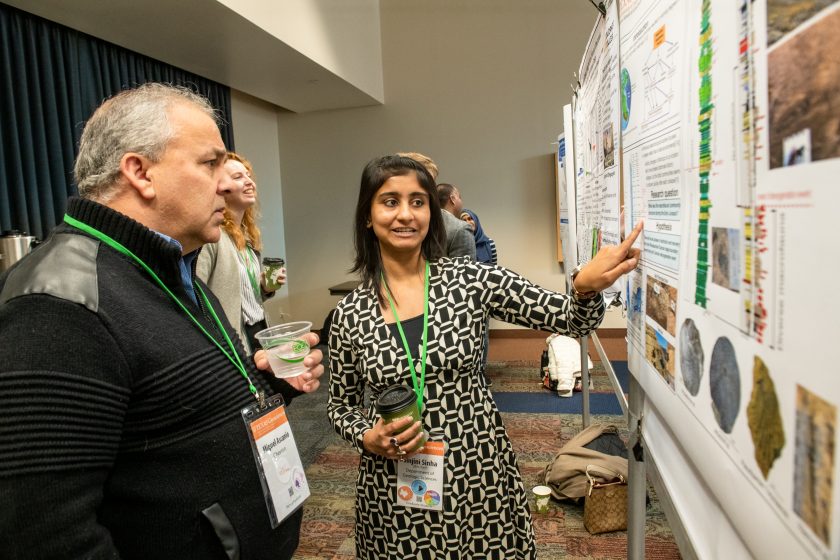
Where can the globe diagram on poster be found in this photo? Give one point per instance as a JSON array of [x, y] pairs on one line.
[[625, 98]]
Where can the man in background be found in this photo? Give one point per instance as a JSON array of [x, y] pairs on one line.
[[460, 240], [121, 380]]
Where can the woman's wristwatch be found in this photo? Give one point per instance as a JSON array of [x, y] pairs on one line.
[[575, 293]]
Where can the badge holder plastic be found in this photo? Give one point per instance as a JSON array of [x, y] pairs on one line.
[[278, 462]]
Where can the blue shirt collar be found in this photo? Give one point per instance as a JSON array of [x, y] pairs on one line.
[[185, 265]]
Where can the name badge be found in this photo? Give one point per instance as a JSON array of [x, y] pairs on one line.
[[420, 478], [278, 462]]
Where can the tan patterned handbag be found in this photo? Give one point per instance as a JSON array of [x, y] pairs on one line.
[[565, 474], [605, 505]]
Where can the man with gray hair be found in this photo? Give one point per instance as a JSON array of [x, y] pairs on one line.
[[460, 241], [122, 383]]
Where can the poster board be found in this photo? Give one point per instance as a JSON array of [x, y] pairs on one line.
[[597, 144], [569, 202], [729, 151], [560, 196], [596, 122]]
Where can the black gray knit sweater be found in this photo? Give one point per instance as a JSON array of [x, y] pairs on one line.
[[119, 420]]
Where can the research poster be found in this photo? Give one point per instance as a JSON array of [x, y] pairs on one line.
[[652, 85], [563, 240], [729, 128], [596, 114]]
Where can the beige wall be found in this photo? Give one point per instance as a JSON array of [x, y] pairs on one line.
[[256, 137], [341, 36], [479, 86]]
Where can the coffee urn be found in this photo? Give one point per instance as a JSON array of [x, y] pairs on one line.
[[14, 245]]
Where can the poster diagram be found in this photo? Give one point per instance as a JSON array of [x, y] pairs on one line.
[[658, 73], [725, 135]]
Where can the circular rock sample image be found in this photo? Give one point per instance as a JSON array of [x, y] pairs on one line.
[[691, 357], [725, 384]]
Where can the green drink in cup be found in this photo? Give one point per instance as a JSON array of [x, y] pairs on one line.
[[398, 401], [286, 347]]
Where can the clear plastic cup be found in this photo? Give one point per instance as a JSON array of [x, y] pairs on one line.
[[286, 347]]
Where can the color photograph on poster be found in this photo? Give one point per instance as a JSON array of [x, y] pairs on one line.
[[635, 302], [661, 302], [691, 357], [816, 426], [726, 258], [725, 384], [764, 417], [660, 354], [803, 87]]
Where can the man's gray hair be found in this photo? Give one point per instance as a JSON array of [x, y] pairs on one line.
[[134, 120]]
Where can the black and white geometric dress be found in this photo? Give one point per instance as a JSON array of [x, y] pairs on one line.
[[485, 506]]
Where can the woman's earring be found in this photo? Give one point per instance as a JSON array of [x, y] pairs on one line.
[[368, 224]]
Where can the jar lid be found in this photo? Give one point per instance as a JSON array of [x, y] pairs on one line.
[[395, 397], [273, 261]]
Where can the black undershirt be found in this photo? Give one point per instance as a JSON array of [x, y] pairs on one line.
[[413, 329]]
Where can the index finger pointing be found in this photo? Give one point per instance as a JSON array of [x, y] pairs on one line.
[[628, 242]]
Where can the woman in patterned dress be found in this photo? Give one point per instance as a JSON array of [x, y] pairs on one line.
[[399, 236]]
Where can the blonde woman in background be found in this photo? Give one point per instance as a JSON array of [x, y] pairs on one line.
[[231, 267]]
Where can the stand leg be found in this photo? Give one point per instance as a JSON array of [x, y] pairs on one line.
[[584, 378], [637, 477]]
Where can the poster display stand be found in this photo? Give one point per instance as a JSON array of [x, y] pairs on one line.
[[709, 120]]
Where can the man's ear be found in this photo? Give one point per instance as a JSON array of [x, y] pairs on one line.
[[135, 169]]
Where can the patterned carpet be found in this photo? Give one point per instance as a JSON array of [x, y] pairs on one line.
[[327, 531]]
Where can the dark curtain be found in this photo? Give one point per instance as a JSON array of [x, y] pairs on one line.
[[51, 80]]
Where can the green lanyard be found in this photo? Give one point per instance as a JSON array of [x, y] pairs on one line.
[[233, 356], [418, 388], [249, 260]]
